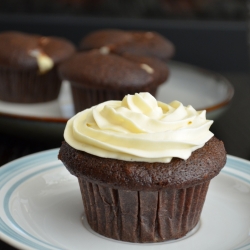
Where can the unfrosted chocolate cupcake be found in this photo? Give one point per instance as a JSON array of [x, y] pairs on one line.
[[143, 167], [28, 66], [96, 77], [144, 43]]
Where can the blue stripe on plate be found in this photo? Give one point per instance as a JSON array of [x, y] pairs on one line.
[[12, 189], [7, 172], [240, 165]]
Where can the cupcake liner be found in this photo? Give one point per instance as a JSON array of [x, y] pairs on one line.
[[21, 86], [86, 97], [142, 216]]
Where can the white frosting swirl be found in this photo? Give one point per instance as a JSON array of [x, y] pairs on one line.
[[139, 128]]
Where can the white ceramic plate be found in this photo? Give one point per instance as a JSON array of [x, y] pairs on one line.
[[191, 85], [41, 208]]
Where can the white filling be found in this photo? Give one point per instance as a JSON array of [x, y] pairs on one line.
[[104, 50], [45, 63], [147, 68]]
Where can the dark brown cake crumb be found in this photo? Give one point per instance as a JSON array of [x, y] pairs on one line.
[[204, 164], [144, 43], [16, 48]]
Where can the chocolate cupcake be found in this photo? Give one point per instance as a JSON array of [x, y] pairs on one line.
[[144, 43], [96, 77], [28, 66], [143, 167]]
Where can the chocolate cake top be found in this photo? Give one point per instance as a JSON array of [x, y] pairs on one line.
[[21, 51], [145, 43], [204, 164], [97, 69]]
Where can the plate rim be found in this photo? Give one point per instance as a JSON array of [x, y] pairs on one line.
[[233, 162], [210, 73], [214, 75]]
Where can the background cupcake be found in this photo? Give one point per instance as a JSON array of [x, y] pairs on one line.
[[97, 76], [143, 167], [28, 66], [144, 43]]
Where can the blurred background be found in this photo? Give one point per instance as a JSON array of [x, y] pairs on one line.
[[196, 27], [166, 9], [210, 34]]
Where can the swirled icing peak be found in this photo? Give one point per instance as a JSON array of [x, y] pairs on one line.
[[139, 128]]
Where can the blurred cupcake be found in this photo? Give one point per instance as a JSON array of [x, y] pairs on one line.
[[97, 76], [144, 43], [143, 167], [28, 66]]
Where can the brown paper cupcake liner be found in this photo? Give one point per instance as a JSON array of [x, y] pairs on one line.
[[142, 216], [86, 97], [28, 86]]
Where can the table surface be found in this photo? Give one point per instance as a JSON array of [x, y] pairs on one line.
[[233, 127]]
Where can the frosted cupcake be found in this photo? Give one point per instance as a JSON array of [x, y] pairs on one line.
[[143, 166]]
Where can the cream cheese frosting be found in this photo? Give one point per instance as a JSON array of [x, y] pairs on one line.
[[139, 128]]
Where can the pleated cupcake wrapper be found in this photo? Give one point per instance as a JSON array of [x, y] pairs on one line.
[[86, 97], [142, 216], [28, 86]]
